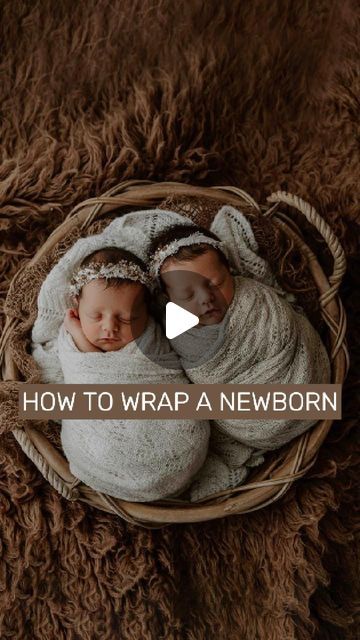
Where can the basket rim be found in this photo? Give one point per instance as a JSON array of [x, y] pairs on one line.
[[300, 451]]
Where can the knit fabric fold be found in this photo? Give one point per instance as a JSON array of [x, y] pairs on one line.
[[138, 460], [262, 339]]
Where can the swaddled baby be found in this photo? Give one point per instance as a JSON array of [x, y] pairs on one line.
[[103, 340], [248, 332]]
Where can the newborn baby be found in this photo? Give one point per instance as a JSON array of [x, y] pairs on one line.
[[247, 333], [103, 340], [108, 313]]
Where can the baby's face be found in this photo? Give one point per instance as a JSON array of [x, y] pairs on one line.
[[112, 317], [204, 286]]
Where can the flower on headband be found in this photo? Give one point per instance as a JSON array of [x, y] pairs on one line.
[[95, 271], [173, 247]]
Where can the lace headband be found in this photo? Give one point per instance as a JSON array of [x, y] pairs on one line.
[[95, 271], [173, 247]]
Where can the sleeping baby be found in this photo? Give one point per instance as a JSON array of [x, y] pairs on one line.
[[103, 339], [249, 332]]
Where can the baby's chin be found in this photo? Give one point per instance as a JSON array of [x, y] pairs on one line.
[[112, 345]]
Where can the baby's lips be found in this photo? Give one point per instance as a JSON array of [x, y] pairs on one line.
[[214, 309]]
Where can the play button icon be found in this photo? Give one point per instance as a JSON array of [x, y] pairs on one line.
[[190, 332], [178, 320]]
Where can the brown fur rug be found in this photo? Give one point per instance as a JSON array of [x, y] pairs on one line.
[[260, 94]]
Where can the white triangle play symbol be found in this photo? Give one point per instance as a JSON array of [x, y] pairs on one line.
[[178, 320]]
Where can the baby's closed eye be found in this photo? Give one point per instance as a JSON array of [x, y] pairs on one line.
[[191, 295], [98, 317]]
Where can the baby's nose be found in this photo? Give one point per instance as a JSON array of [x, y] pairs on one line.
[[205, 296], [109, 324]]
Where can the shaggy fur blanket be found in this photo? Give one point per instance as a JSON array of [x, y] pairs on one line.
[[260, 95]]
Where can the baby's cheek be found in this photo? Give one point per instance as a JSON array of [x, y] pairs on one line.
[[192, 306], [228, 292], [90, 331], [137, 327]]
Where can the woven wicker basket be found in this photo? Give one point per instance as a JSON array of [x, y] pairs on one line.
[[274, 478]]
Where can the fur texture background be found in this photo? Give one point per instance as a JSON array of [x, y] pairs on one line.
[[260, 94]]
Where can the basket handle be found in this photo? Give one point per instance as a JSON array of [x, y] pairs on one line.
[[324, 229]]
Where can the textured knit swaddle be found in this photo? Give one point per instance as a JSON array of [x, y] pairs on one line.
[[263, 338], [167, 456], [131, 459]]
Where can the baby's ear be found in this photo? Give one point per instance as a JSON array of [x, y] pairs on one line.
[[75, 301]]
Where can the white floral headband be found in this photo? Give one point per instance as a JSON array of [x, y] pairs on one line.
[[95, 271], [173, 247]]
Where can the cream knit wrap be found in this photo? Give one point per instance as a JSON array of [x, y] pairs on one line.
[[264, 337], [136, 460], [261, 340]]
